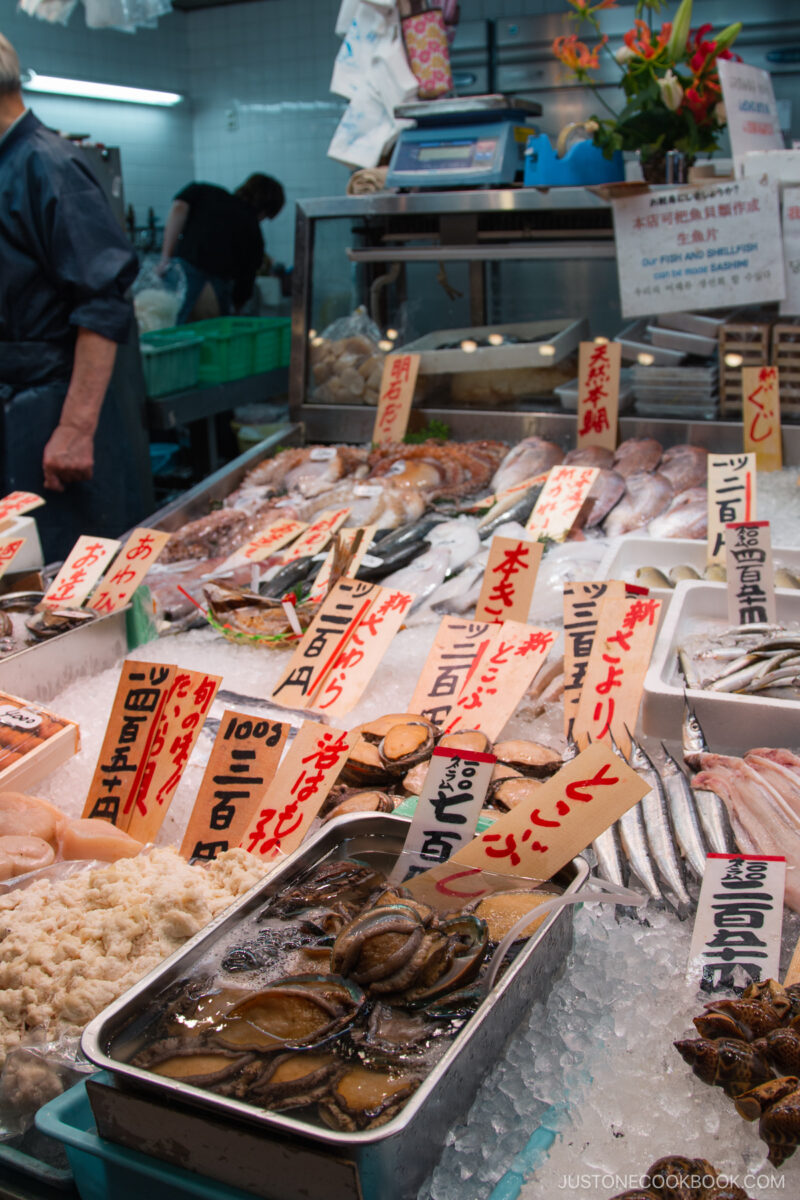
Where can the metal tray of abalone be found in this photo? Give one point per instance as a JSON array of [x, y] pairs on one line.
[[42, 670], [279, 1156]]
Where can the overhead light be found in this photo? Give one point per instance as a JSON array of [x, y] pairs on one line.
[[88, 90], [496, 339], [469, 346], [733, 360], [547, 351], [645, 359], [386, 345], [392, 335], [601, 341]]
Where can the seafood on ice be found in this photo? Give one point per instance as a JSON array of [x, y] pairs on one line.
[[754, 660]]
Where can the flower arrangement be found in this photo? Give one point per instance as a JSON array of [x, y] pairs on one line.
[[669, 77]]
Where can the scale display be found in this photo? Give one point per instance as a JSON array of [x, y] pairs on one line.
[[462, 155]]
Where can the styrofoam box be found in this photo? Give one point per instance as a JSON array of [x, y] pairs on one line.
[[29, 557], [677, 339], [732, 724], [633, 343]]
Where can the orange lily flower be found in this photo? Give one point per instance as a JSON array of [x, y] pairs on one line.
[[575, 54], [644, 45]]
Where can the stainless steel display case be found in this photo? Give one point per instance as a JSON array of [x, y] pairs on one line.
[[285, 1157]]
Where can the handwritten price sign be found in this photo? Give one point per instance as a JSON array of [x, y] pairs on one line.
[[561, 500], [396, 395], [731, 497], [509, 580], [8, 552], [17, 503], [133, 562], [598, 393], [761, 415], [267, 542], [317, 536], [81, 570]]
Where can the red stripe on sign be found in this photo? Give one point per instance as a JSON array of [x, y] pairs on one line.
[[748, 495], [633, 589], [746, 524], [750, 857], [468, 755]]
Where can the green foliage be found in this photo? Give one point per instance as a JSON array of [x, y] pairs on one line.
[[435, 430]]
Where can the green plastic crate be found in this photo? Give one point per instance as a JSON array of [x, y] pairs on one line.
[[227, 351], [170, 360], [268, 342]]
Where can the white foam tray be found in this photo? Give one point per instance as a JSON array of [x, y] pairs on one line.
[[732, 724]]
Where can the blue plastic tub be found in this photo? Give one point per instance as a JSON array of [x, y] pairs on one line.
[[105, 1171]]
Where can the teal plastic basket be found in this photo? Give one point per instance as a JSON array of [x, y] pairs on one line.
[[170, 360], [104, 1171], [227, 350], [268, 343]]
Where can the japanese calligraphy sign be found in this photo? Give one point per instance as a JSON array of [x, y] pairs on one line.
[[618, 662], [761, 416], [355, 664], [751, 578], [516, 489], [509, 580], [186, 707], [581, 611], [598, 393], [322, 643], [132, 564], [17, 503], [319, 588], [396, 395], [453, 652], [8, 551], [80, 571], [318, 534], [240, 768], [498, 677], [296, 794], [699, 247], [731, 497], [535, 840], [560, 501], [750, 109], [141, 695], [447, 810], [266, 542], [737, 930]]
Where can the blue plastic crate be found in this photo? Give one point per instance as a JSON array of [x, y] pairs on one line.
[[105, 1171]]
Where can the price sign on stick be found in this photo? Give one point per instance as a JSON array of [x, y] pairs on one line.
[[396, 396], [8, 551], [508, 493], [298, 791], [736, 938], [80, 571], [598, 393], [267, 542], [17, 503], [453, 652], [620, 656], [509, 580], [560, 501], [581, 613], [319, 588], [132, 564], [318, 534], [750, 574], [141, 694], [186, 707], [240, 768], [731, 497], [761, 415]]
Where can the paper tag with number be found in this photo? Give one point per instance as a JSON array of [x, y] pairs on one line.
[[761, 416], [737, 930], [731, 497], [396, 396], [598, 393], [447, 811], [240, 768], [560, 501], [85, 563], [509, 580]]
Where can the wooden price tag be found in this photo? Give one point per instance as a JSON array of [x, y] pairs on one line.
[[240, 768], [397, 393], [497, 497], [355, 664], [183, 715], [618, 662], [80, 571], [793, 971], [266, 542], [737, 929], [581, 612], [132, 564], [761, 416], [560, 501], [319, 588], [8, 551], [499, 676], [751, 577], [141, 694], [318, 534], [570, 810], [731, 497], [447, 811], [322, 643], [509, 580], [296, 794], [17, 503], [598, 393], [453, 652]]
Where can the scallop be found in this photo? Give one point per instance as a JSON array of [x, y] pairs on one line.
[[508, 793], [528, 757]]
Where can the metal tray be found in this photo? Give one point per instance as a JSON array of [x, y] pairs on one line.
[[40, 672], [387, 1163]]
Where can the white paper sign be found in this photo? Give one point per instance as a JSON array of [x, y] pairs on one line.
[[737, 930], [791, 250], [750, 108], [694, 248]]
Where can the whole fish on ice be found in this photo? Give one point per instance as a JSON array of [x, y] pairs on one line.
[[645, 497], [685, 467], [637, 454], [532, 456], [686, 516]]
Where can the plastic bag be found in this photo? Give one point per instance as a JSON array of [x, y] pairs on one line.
[[157, 299], [347, 362], [127, 15], [57, 12], [34, 1074]]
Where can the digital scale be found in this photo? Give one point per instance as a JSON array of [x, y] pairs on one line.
[[467, 141]]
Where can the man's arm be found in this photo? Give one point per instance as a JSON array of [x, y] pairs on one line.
[[69, 454], [172, 231]]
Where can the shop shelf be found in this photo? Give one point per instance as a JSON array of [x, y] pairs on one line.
[[105, 1171], [227, 350], [171, 360]]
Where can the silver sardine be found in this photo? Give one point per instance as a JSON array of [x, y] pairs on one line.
[[712, 812], [685, 819], [610, 859], [633, 838], [655, 811]]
